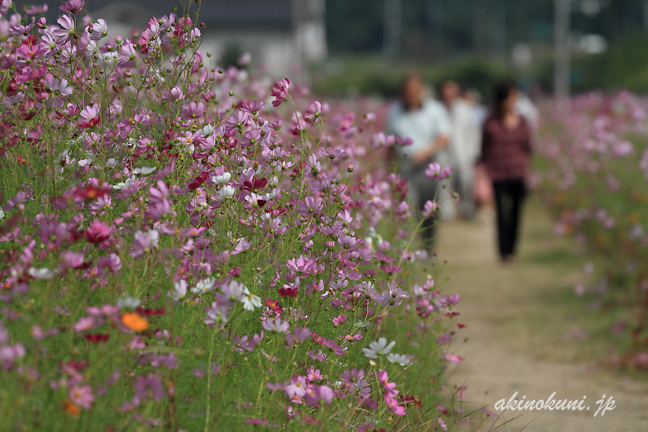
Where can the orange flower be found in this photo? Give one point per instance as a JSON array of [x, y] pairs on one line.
[[134, 322], [71, 409]]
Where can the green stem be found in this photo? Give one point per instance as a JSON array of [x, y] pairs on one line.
[[211, 353]]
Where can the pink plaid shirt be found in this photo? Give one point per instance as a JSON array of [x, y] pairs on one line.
[[506, 152]]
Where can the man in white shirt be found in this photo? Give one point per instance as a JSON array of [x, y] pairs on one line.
[[426, 123]]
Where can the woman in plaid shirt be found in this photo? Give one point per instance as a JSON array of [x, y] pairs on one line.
[[506, 152]]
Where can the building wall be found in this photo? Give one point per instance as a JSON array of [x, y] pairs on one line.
[[274, 51], [283, 50]]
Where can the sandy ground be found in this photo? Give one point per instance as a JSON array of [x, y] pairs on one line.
[[503, 355]]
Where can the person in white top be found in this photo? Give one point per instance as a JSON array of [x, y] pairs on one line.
[[426, 123], [464, 145]]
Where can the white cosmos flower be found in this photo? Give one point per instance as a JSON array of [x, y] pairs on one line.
[[250, 301], [130, 180], [129, 302], [204, 286], [41, 273], [225, 192], [179, 289], [379, 347], [1, 215], [398, 358], [144, 170], [207, 130], [223, 178]]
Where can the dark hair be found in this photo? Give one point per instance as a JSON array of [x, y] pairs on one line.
[[411, 76], [502, 92]]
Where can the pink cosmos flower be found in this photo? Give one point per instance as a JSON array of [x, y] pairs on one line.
[[97, 231], [82, 396], [432, 171], [52, 233], [296, 387], [175, 94], [216, 314], [393, 405], [98, 30], [430, 208], [333, 153], [313, 374], [85, 323], [19, 30], [276, 325], [127, 53], [72, 260], [148, 387], [302, 265], [339, 320], [257, 422], [11, 353], [111, 262], [310, 206], [254, 107], [66, 31], [193, 110], [280, 92], [453, 358], [144, 242], [59, 88], [313, 112], [90, 116], [4, 7], [72, 6], [319, 395]]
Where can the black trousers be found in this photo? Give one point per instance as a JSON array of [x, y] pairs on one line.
[[509, 196]]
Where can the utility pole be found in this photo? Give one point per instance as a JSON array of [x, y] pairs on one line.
[[392, 25], [562, 72]]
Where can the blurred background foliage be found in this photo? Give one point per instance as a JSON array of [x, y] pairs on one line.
[[475, 43]]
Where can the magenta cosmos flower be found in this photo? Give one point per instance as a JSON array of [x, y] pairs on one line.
[[97, 231]]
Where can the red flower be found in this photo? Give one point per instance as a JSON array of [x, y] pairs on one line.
[[288, 292], [97, 231], [89, 192], [276, 211], [150, 312], [97, 337], [89, 124], [198, 181], [77, 365], [408, 400], [272, 304], [255, 184]]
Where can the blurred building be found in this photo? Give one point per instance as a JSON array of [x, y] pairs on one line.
[[281, 35]]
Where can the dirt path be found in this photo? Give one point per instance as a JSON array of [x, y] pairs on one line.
[[517, 340]]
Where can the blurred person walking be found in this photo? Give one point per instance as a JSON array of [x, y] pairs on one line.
[[483, 195], [426, 123], [506, 153], [464, 145]]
